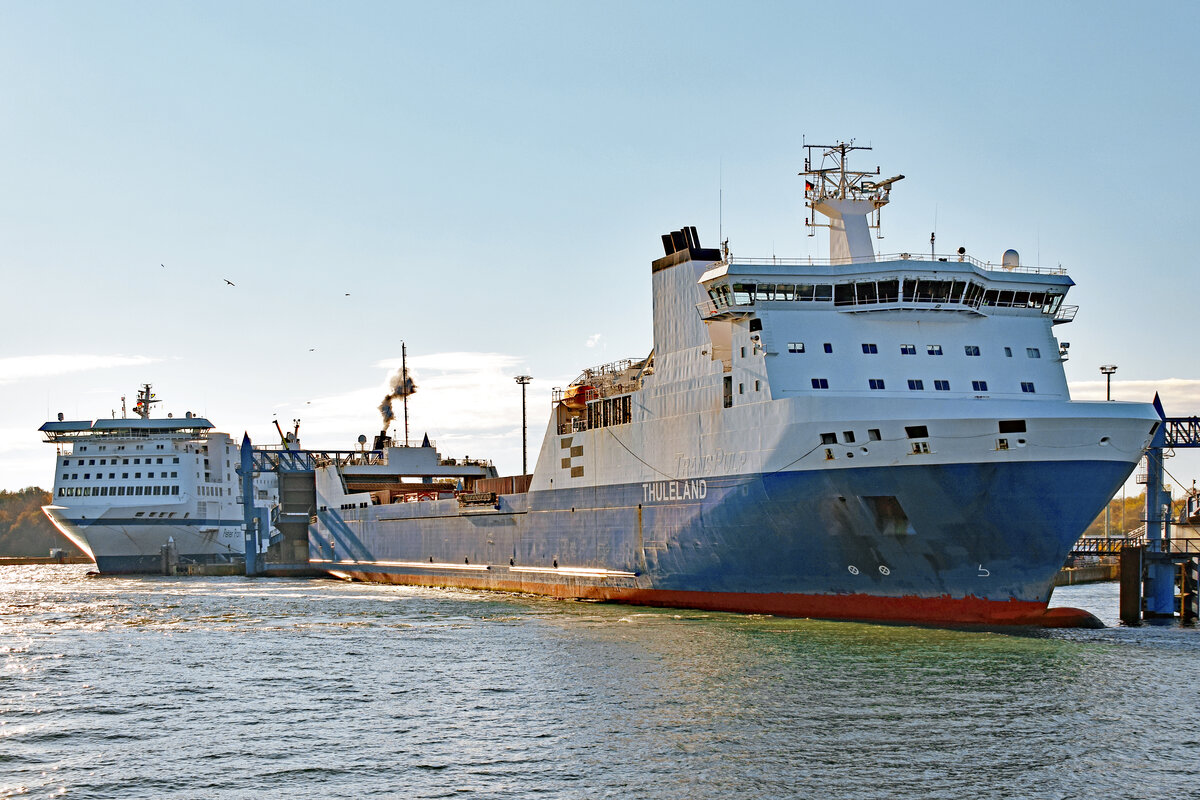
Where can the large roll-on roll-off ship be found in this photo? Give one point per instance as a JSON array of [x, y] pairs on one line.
[[864, 437]]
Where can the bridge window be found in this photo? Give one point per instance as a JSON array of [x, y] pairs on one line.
[[824, 292], [765, 291], [743, 294], [889, 291], [843, 294], [785, 291]]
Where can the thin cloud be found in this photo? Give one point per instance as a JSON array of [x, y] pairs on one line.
[[1180, 396], [593, 340], [19, 368]]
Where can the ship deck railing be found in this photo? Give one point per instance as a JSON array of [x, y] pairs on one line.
[[810, 261]]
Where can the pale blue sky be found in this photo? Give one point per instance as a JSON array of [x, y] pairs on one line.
[[493, 178]]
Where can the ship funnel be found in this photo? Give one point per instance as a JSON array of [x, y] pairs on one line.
[[382, 441]]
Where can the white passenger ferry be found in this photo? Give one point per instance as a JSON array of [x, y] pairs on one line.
[[125, 487]]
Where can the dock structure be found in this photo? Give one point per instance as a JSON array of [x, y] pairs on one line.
[[1161, 563], [389, 473]]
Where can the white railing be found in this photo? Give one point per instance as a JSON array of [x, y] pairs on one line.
[[883, 258]]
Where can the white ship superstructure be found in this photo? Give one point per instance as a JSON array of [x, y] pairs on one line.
[[126, 486]]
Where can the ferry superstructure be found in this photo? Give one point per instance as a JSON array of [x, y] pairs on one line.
[[126, 486], [875, 438]]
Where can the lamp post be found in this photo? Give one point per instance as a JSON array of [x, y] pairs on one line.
[[1107, 370], [524, 381]]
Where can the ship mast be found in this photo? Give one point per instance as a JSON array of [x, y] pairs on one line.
[[145, 398], [849, 199]]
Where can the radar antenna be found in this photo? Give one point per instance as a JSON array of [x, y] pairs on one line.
[[850, 199], [145, 399]]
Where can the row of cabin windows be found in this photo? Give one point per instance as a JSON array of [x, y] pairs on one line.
[[92, 462], [870, 348], [74, 476], [910, 290], [918, 385], [115, 491]]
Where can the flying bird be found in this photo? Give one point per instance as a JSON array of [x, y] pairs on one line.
[[231, 283], [164, 266], [311, 349]]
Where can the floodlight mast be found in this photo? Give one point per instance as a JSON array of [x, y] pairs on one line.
[[848, 198]]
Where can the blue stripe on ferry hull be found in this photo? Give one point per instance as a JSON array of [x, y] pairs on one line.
[[870, 543]]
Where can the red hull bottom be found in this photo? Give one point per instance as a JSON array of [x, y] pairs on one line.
[[944, 610]]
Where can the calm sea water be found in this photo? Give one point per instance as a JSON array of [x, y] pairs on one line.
[[234, 688]]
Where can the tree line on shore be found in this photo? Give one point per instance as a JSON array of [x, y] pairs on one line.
[[24, 529]]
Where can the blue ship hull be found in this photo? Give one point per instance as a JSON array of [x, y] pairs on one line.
[[964, 543]]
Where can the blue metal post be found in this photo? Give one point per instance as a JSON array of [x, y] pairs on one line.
[[1160, 575], [248, 515]]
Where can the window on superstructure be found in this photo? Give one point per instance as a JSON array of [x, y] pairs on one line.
[[828, 349], [1002, 444], [742, 352], [820, 383], [79, 463], [843, 294], [920, 448], [64, 476], [137, 474], [1033, 352], [140, 514], [795, 347], [112, 475], [174, 490], [989, 297], [979, 386], [971, 349], [87, 475], [83, 449], [764, 291], [1006, 298], [805, 291], [785, 291], [1027, 387], [124, 475], [175, 460], [124, 460], [741, 388], [1020, 299], [757, 386], [828, 438], [824, 291], [66, 462], [158, 461], [908, 349], [916, 431], [137, 490], [916, 384], [865, 292], [873, 434], [174, 474], [1008, 352], [934, 349], [875, 383], [870, 348], [743, 294], [848, 437]]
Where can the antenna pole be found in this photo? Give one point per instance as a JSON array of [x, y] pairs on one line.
[[404, 384]]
